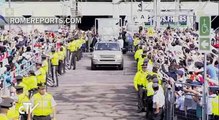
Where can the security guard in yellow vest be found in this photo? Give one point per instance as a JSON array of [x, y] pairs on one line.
[[73, 50], [140, 77], [22, 98], [136, 42], [61, 66], [141, 60], [150, 92], [68, 53], [55, 62], [31, 83], [19, 80], [4, 108], [140, 83], [12, 114], [46, 105], [81, 42], [138, 53], [40, 74], [215, 106], [65, 55], [155, 72], [78, 47]]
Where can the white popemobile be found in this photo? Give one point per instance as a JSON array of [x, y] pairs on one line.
[[107, 53]]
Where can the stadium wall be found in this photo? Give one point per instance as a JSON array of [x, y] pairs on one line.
[[103, 8]]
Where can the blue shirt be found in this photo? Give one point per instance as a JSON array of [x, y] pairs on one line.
[[212, 71], [130, 39], [7, 79]]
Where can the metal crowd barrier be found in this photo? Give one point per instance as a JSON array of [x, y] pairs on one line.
[[174, 113], [22, 69]]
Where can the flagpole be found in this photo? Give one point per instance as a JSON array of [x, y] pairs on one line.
[[9, 24]]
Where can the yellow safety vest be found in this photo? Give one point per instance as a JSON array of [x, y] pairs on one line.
[[22, 98], [73, 46], [3, 117], [32, 82], [25, 88], [55, 59], [41, 78], [136, 41], [140, 79], [83, 41], [150, 90], [45, 104], [12, 114], [69, 46], [77, 44], [215, 106], [25, 81], [158, 77], [45, 65], [80, 42], [61, 55], [141, 61], [138, 54], [64, 50]]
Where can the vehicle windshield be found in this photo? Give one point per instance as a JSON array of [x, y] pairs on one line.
[[108, 46]]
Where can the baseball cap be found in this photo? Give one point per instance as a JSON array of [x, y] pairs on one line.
[[155, 80], [6, 103], [155, 85], [180, 72], [19, 77], [18, 87], [145, 63]]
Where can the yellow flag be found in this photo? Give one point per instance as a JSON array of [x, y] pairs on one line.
[[150, 31]]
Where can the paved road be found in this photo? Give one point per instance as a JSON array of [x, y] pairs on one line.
[[104, 94]]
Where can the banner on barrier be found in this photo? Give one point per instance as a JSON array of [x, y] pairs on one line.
[[164, 20]]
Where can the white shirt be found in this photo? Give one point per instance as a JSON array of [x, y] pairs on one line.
[[150, 67], [209, 101], [159, 99], [180, 102], [120, 43]]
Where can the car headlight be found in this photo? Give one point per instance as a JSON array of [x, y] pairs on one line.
[[118, 57], [95, 57]]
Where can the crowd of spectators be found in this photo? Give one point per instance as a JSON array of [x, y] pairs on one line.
[[18, 50], [175, 53]]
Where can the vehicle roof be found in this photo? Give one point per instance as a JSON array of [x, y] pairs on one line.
[[108, 41]]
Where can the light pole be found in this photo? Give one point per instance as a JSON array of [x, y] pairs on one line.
[[177, 4], [132, 22], [9, 5]]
